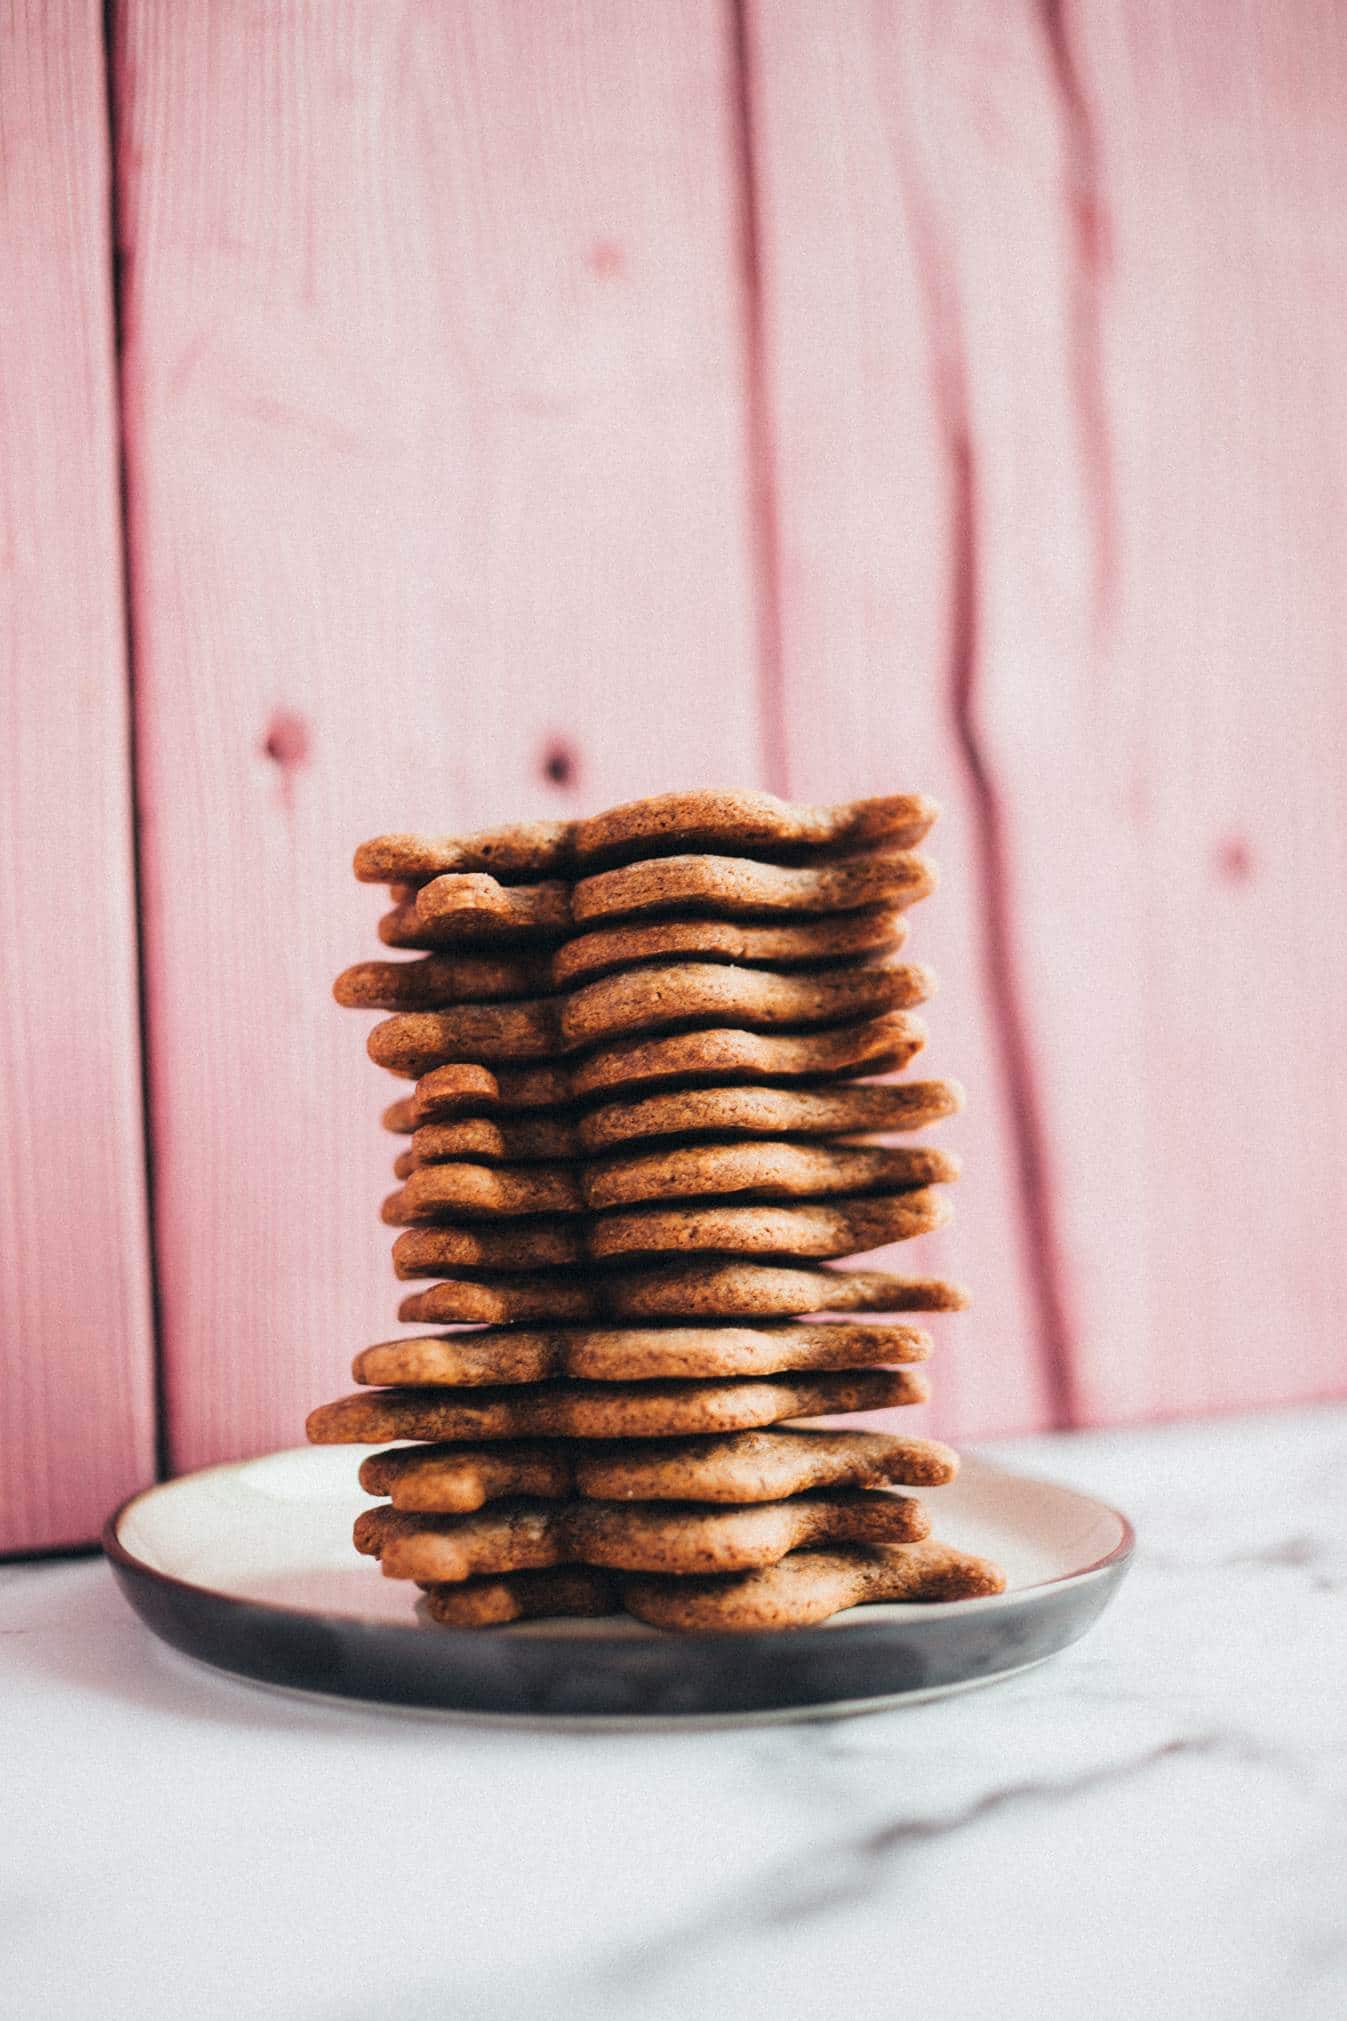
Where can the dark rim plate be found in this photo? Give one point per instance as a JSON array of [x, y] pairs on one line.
[[250, 1567]]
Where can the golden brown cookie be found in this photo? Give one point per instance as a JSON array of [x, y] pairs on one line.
[[799, 943], [529, 849], [683, 1539], [756, 1466], [469, 1192], [542, 1242], [500, 1300], [441, 980], [810, 1585], [815, 1230], [415, 1042], [458, 1478], [564, 1590], [699, 1288], [873, 1046], [754, 823], [765, 1169], [854, 1109], [737, 887], [607, 1410], [626, 1354], [669, 994], [511, 1140], [473, 912], [750, 824], [464, 1089]]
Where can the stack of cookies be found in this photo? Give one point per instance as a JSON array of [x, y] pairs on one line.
[[645, 1126]]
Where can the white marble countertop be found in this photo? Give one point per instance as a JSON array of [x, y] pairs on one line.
[[1153, 1824]]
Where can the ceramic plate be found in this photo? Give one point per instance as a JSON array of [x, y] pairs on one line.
[[251, 1568]]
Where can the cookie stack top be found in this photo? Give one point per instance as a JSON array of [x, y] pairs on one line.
[[641, 1133]]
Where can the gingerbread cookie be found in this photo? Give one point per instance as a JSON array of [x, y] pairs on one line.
[[767, 1170], [512, 1140], [441, 980], [799, 943], [811, 1585], [459, 1478], [737, 887], [657, 1537], [529, 849], [675, 994], [464, 1089], [750, 824], [821, 1231], [873, 1046], [851, 1110], [607, 1410], [567, 1590], [543, 1242], [415, 1042], [743, 822], [462, 1191], [626, 1354], [696, 1289], [756, 1466]]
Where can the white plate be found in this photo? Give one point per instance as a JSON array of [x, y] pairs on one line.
[[251, 1567]]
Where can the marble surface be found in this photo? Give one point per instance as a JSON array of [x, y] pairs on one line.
[[1153, 1824]]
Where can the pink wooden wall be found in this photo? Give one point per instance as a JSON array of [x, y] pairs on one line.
[[523, 407]]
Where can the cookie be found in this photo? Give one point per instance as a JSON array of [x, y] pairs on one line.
[[740, 821], [700, 1289], [607, 1410], [810, 1585], [765, 1112], [751, 824], [667, 994], [500, 1300], [756, 1466], [456, 1191], [767, 1231], [767, 1170], [799, 943], [567, 1590], [737, 887], [464, 1089], [459, 1478], [470, 912], [512, 1140], [441, 980], [529, 849], [625, 1354], [679, 1539], [734, 1467], [414, 1042], [542, 1243], [457, 906], [872, 1046]]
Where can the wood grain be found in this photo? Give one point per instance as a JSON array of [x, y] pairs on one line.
[[1167, 648], [1055, 296], [76, 1361], [874, 620], [439, 511]]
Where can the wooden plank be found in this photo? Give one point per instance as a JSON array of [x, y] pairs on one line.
[[874, 611], [439, 516], [1130, 239], [1182, 953], [76, 1359]]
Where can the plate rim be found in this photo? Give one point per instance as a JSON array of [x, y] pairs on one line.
[[130, 1564]]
